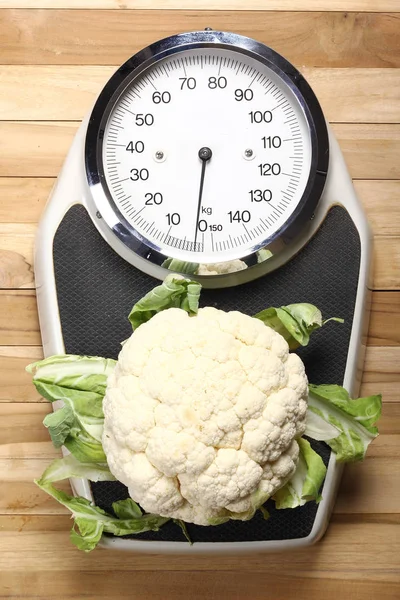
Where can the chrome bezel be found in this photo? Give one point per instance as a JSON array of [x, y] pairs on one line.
[[103, 203]]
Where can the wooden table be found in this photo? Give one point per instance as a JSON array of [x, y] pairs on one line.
[[55, 56]]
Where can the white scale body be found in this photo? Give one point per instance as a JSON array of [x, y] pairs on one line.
[[232, 96]]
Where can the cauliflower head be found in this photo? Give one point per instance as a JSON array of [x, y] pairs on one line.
[[202, 415], [223, 268]]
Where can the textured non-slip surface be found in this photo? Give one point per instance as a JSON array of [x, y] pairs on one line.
[[96, 290]]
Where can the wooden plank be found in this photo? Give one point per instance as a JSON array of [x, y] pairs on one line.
[[16, 260], [15, 383], [371, 150], [39, 147], [18, 492], [389, 423], [67, 92], [196, 585], [19, 324], [16, 247], [379, 198], [387, 263], [31, 450], [385, 316], [256, 5], [352, 96], [18, 523], [368, 487], [23, 198], [16, 255], [366, 148], [56, 92], [384, 447], [25, 498], [20, 307], [25, 452], [23, 436], [377, 544], [380, 201], [21, 425], [338, 39], [22, 469], [15, 271], [18, 318], [381, 374]]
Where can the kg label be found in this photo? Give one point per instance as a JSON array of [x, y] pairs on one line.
[[206, 210]]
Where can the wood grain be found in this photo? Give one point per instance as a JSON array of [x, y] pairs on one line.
[[16, 255], [239, 5], [368, 487], [313, 39], [387, 263], [21, 424], [68, 92], [22, 469], [377, 544], [19, 325], [23, 328], [15, 270], [22, 434], [15, 383], [381, 373], [380, 201], [53, 61], [371, 150], [40, 147], [25, 498], [368, 148], [31, 450], [24, 198], [16, 259], [210, 584], [26, 326], [385, 315]]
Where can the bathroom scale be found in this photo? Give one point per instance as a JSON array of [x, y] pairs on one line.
[[207, 153]]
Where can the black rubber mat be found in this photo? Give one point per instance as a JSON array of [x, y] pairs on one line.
[[96, 289]]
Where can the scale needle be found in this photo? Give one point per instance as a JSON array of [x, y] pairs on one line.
[[204, 154]]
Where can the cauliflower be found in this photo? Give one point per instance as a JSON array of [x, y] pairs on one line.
[[222, 268], [202, 415]]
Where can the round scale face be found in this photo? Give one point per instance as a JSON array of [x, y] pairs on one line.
[[206, 154]]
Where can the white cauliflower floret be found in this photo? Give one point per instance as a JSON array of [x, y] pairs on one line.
[[230, 266], [202, 414]]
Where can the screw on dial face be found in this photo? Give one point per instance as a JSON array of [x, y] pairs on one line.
[[205, 153]]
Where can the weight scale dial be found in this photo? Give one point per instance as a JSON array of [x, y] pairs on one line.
[[206, 147]]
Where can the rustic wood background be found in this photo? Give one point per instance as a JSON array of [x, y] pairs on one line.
[[55, 55]]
